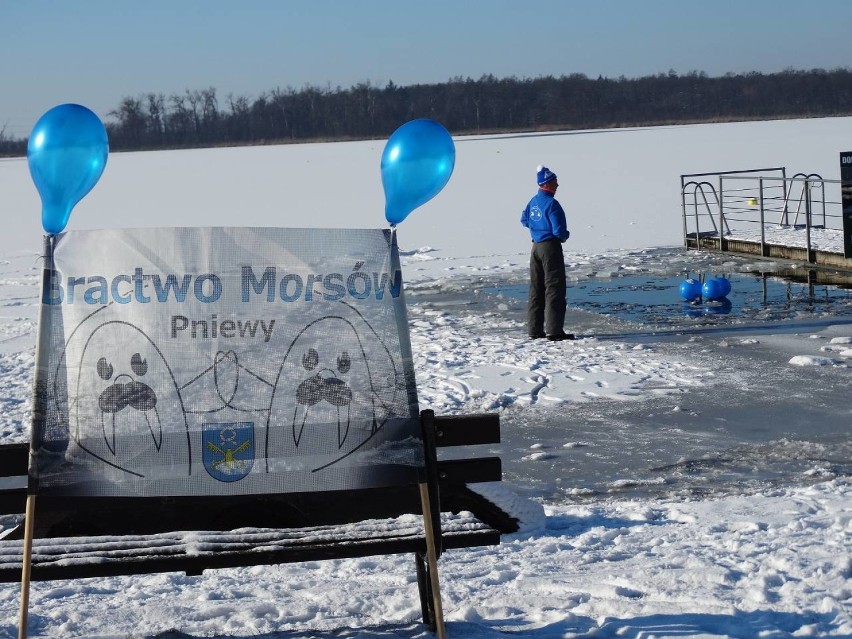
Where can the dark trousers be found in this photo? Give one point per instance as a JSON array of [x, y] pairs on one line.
[[546, 310]]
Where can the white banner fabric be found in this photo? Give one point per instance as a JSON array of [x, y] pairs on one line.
[[224, 361]]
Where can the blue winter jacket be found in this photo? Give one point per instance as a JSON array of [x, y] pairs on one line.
[[545, 218]]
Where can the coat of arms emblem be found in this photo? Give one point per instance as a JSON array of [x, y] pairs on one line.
[[228, 449]]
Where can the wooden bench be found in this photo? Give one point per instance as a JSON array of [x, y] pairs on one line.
[[74, 539]]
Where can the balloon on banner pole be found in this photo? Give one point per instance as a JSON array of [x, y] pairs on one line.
[[67, 152], [417, 163]]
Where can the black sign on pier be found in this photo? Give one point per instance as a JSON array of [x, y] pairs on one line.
[[846, 191]]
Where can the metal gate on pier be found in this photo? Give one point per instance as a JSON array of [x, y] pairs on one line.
[[764, 212]]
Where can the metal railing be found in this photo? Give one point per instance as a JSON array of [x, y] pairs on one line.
[[750, 204], [699, 187], [807, 180], [702, 214]]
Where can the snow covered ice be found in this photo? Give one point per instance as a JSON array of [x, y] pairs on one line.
[[674, 479]]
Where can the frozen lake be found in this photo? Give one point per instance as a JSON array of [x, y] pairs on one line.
[[757, 422], [694, 470]]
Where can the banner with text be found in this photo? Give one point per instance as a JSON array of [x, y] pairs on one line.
[[224, 361]]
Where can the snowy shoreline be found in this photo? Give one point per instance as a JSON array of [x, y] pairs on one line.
[[775, 564]]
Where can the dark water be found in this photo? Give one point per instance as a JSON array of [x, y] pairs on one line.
[[655, 301]]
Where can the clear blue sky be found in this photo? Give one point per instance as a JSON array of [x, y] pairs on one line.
[[95, 52]]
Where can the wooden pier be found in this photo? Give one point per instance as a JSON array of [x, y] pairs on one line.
[[811, 258]]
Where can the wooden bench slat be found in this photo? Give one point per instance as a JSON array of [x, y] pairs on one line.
[[451, 430], [467, 430], [194, 551], [14, 459], [13, 501], [470, 471]]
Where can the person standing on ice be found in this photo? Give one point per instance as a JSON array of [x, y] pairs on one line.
[[545, 219]]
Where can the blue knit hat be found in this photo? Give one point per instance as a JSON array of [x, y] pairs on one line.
[[544, 175]]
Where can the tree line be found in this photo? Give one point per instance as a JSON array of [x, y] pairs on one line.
[[200, 118]]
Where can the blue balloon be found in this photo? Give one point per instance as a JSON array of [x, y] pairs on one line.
[[417, 163], [67, 152], [712, 289], [690, 290]]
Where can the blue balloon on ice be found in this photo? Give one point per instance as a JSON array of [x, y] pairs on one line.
[[417, 163], [690, 290], [712, 290], [67, 152]]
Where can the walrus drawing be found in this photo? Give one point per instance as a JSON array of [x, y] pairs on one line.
[[336, 388], [124, 407]]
